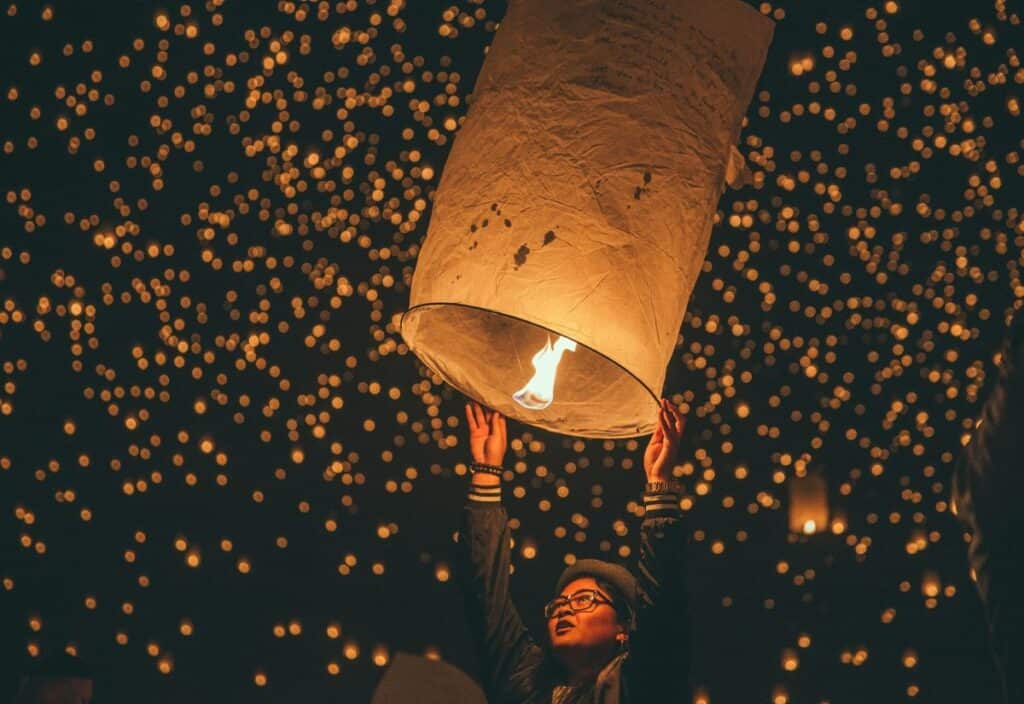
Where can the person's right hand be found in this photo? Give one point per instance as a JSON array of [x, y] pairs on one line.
[[661, 451], [487, 438]]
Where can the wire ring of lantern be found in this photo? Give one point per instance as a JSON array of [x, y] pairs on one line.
[[442, 304]]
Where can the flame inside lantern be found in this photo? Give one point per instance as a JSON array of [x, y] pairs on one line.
[[539, 391]]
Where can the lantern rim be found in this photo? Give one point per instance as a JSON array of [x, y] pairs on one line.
[[491, 311]]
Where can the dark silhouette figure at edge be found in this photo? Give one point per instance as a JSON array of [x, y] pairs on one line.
[[987, 484]]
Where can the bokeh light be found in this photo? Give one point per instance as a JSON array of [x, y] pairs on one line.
[[221, 465]]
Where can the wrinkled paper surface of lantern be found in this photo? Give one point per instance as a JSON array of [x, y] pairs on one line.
[[578, 200]]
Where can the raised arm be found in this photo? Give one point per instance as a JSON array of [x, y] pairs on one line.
[[987, 484], [659, 655], [508, 654]]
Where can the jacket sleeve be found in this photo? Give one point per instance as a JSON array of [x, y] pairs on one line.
[[508, 654], [658, 664], [987, 484]]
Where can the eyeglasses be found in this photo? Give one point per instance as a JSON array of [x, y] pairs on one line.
[[581, 601]]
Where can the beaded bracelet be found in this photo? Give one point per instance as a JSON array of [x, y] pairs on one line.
[[494, 469], [663, 487]]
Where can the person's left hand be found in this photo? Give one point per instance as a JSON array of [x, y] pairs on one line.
[[661, 451]]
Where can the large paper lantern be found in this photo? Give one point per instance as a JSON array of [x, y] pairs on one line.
[[574, 211]]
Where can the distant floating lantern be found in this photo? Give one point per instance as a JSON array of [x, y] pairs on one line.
[[839, 522], [931, 584], [808, 504], [575, 208]]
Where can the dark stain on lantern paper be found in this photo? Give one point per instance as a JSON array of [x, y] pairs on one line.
[[521, 254], [549, 237], [641, 190]]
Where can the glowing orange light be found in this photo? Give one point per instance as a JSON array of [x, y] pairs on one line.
[[539, 391]]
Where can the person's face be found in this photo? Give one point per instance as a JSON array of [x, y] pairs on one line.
[[592, 629]]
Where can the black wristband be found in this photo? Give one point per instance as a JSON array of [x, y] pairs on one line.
[[494, 469]]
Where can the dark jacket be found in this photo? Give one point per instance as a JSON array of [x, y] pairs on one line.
[[987, 493], [655, 669]]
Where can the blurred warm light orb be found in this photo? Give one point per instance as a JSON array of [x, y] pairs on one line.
[[212, 223]]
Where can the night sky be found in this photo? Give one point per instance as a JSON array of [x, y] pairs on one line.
[[224, 477]]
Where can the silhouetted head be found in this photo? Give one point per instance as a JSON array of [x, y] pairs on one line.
[[57, 679]]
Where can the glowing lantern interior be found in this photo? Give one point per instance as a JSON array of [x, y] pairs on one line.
[[487, 355], [540, 390]]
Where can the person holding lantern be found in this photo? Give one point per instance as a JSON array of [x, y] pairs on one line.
[[987, 486], [612, 637]]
